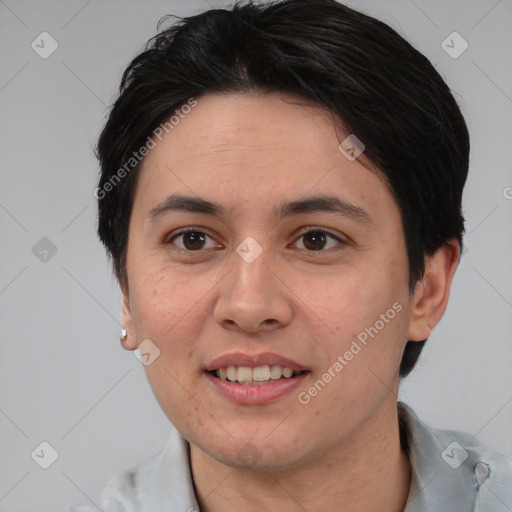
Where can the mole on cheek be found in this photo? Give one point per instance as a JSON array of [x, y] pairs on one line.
[[155, 289]]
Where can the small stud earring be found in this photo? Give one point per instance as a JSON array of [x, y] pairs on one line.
[[124, 335]]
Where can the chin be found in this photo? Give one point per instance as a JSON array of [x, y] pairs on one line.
[[252, 451]]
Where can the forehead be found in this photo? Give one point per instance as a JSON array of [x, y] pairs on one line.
[[256, 147], [235, 124]]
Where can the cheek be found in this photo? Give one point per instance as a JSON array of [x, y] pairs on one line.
[[361, 312], [164, 302], [346, 302], [167, 310]]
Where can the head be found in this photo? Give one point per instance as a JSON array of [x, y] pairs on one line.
[[317, 161]]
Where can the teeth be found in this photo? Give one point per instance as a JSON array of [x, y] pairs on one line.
[[287, 372], [260, 374], [243, 373], [230, 373], [275, 372]]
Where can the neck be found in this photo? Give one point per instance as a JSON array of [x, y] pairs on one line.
[[369, 471]]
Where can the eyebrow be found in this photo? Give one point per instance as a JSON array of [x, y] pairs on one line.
[[316, 204]]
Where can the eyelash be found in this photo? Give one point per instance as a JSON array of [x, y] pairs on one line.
[[168, 240]]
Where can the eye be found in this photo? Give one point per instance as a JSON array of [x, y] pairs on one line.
[[318, 240], [194, 240], [191, 240]]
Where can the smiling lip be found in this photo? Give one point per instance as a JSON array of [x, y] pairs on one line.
[[253, 360], [253, 395], [256, 395]]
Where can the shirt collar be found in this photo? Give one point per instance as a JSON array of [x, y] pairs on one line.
[[443, 466]]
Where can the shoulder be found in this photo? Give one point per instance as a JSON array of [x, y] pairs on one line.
[[122, 492], [160, 482], [454, 467]]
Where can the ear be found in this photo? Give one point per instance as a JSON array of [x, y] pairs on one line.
[[431, 294], [130, 343]]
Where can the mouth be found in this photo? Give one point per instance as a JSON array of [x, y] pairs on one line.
[[257, 376], [255, 379]]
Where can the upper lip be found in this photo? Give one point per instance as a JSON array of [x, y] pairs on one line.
[[253, 360]]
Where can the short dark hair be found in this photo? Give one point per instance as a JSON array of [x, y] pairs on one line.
[[385, 92]]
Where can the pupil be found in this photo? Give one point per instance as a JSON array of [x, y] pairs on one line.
[[193, 240], [315, 237]]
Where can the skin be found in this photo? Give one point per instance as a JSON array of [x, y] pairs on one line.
[[249, 153]]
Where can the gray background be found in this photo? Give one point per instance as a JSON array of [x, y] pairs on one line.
[[64, 377]]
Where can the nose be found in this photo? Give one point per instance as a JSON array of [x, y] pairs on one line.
[[252, 298]]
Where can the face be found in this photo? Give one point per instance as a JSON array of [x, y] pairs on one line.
[[299, 263]]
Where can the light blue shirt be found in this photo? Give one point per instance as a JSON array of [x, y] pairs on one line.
[[451, 472]]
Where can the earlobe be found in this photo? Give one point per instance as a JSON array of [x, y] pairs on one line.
[[431, 294], [129, 341]]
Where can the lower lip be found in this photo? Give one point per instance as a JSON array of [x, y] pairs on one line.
[[256, 394]]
